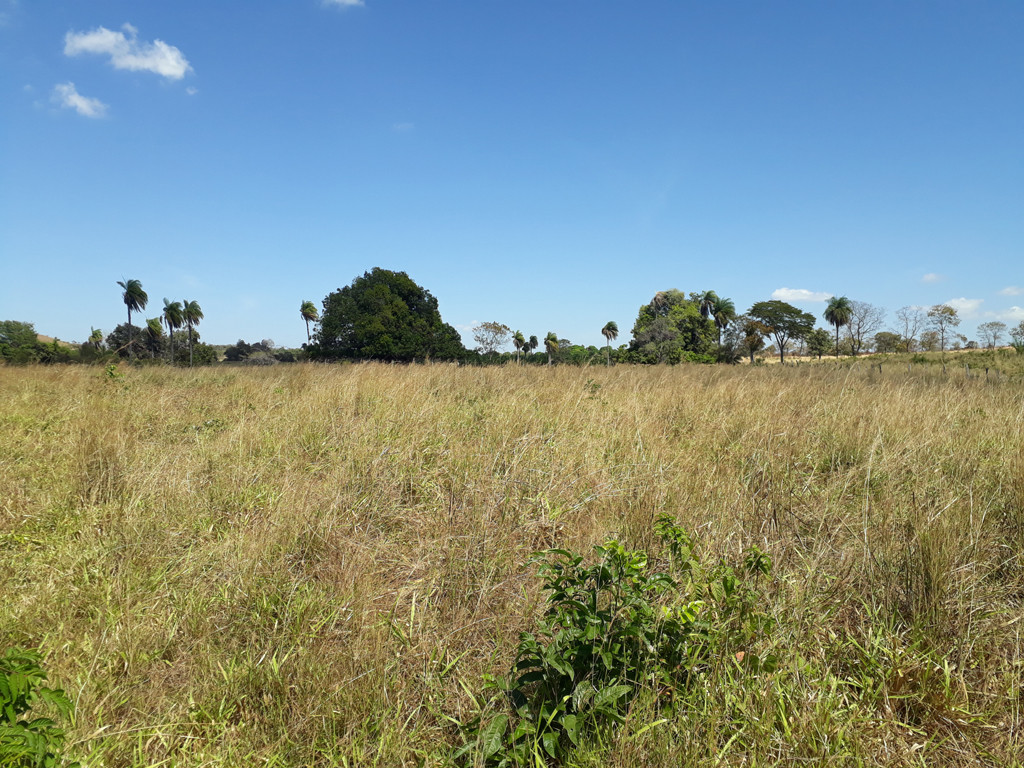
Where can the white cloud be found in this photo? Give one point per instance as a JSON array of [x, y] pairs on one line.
[[800, 294], [344, 3], [126, 52], [1011, 290], [933, 277], [966, 308], [403, 127], [68, 97], [191, 91], [1011, 315]]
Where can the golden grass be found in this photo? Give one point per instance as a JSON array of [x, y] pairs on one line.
[[312, 565]]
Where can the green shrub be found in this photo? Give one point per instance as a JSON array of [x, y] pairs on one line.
[[613, 631], [24, 742]]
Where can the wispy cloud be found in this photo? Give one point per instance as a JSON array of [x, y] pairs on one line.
[[800, 294], [68, 97], [127, 52], [933, 277], [1011, 315], [403, 127], [1011, 290], [343, 3], [966, 308]]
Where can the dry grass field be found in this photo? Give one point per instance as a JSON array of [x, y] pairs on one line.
[[316, 565]]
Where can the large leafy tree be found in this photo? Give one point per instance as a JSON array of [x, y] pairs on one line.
[[135, 299], [610, 333], [384, 315], [550, 344], [670, 329], [784, 322], [173, 317], [838, 313], [192, 313], [310, 314], [491, 336]]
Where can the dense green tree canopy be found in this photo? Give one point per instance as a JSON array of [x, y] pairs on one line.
[[384, 315], [671, 329]]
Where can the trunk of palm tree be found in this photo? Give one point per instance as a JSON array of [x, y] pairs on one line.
[[170, 329], [190, 345], [308, 337], [837, 341], [549, 357], [608, 354]]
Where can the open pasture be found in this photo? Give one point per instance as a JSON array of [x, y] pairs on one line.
[[315, 565]]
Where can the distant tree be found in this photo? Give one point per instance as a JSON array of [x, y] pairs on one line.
[[532, 344], [173, 317], [819, 342], [886, 341], [309, 313], [384, 315], [865, 320], [238, 351], [610, 333], [911, 320], [723, 312], [943, 319], [192, 313], [1017, 335], [991, 333], [96, 338], [784, 321], [705, 301], [929, 341], [837, 314], [491, 336], [126, 341], [751, 335], [19, 343], [519, 342], [550, 344], [154, 337], [670, 329], [135, 299]]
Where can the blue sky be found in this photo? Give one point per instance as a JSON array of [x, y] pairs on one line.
[[549, 164]]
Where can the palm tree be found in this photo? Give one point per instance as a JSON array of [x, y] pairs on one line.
[[550, 344], [192, 314], [532, 344], [135, 299], [838, 313], [96, 337], [154, 335], [308, 312], [173, 318], [706, 301], [723, 311], [610, 333], [519, 341]]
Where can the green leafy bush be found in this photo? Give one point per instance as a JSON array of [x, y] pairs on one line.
[[24, 742], [613, 631]]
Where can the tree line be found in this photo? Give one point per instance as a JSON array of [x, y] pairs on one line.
[[384, 315]]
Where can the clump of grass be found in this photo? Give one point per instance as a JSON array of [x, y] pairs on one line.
[[316, 565]]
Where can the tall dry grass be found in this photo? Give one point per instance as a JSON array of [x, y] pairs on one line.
[[311, 565]]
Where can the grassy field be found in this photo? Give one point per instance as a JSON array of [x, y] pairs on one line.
[[311, 565]]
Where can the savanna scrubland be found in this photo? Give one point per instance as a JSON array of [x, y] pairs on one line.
[[317, 565]]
